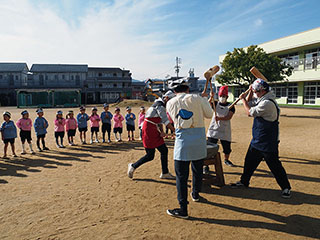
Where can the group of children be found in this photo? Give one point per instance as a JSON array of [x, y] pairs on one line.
[[69, 124]]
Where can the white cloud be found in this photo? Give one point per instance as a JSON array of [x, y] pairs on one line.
[[258, 22], [109, 36]]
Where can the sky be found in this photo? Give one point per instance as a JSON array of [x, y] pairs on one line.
[[145, 36]]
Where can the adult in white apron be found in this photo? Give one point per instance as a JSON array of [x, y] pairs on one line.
[[220, 126], [187, 112]]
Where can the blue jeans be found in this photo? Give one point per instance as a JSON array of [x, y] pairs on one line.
[[182, 175]]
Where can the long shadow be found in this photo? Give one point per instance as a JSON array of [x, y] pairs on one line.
[[170, 182], [294, 224], [300, 160], [296, 116], [264, 194], [57, 156]]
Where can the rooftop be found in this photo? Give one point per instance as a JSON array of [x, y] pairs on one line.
[[13, 67], [59, 68]]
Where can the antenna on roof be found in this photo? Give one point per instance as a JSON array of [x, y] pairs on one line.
[[177, 66]]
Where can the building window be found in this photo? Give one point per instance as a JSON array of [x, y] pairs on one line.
[[293, 93], [0, 76], [11, 80], [77, 82], [77, 77], [311, 92], [63, 77], [72, 78], [41, 80], [55, 77], [114, 85], [280, 90], [114, 74], [47, 77], [17, 77], [100, 74]]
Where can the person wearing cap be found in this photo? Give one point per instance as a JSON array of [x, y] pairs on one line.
[[25, 124], [8, 134], [71, 127], [94, 124], [152, 136], [40, 126], [188, 112], [261, 105], [220, 126], [106, 118], [142, 115], [117, 124], [130, 118], [59, 124], [82, 119]]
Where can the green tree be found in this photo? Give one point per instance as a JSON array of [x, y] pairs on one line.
[[237, 64]]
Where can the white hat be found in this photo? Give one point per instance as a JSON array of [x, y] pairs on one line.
[[7, 113], [172, 84]]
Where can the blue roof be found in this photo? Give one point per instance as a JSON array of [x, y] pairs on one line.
[[13, 67], [59, 68]]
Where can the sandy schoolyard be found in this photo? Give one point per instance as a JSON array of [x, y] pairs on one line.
[[83, 192]]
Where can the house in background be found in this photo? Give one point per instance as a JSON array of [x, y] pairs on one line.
[[12, 76], [104, 84], [138, 88]]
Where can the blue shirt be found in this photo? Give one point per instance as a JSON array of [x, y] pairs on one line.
[[8, 130], [82, 120], [40, 125], [104, 119], [130, 121]]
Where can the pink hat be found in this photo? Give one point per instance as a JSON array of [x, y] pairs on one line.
[[223, 91]]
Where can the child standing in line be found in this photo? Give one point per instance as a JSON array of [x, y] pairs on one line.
[[130, 118], [82, 119], [71, 127], [59, 124], [40, 126], [25, 124], [94, 123], [8, 134], [220, 126], [106, 118], [117, 124], [142, 115]]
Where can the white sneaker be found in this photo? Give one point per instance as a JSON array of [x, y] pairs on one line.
[[32, 152], [96, 141], [23, 152], [91, 141], [167, 176], [130, 170]]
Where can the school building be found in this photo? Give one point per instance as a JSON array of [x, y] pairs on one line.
[[302, 52]]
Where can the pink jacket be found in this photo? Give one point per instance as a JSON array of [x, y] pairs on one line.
[[24, 124], [71, 124], [94, 121], [141, 119], [117, 120], [59, 127]]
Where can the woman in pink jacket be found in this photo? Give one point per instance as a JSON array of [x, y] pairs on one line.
[[59, 124], [71, 127], [25, 124], [94, 124], [117, 124]]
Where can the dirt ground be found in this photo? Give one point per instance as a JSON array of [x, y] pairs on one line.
[[83, 192]]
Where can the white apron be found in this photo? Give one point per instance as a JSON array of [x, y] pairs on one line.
[[220, 129]]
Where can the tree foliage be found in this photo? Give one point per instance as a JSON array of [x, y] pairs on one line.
[[237, 64]]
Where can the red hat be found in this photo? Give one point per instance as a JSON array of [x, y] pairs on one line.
[[223, 91]]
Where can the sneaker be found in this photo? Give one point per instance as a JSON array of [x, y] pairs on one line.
[[40, 150], [286, 193], [23, 152], [15, 155], [177, 212], [237, 184], [129, 139], [96, 141], [130, 170], [195, 197], [206, 170], [140, 138], [228, 163], [5, 157], [58, 146], [109, 141], [61, 146], [44, 148], [120, 140], [103, 141], [32, 152], [91, 141], [84, 142], [167, 176]]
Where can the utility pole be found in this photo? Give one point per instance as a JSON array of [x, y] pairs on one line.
[[177, 66]]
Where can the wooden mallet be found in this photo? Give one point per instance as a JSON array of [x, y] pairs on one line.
[[208, 75], [255, 71]]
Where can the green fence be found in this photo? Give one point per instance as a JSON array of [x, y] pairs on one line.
[[48, 98]]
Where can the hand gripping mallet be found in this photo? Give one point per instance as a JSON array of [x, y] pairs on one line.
[[208, 75], [255, 71]]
